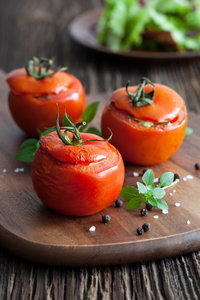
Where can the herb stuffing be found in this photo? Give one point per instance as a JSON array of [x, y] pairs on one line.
[[147, 192]]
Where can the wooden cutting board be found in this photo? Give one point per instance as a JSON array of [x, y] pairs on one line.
[[31, 231]]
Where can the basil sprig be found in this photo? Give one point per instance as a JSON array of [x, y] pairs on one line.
[[147, 192]]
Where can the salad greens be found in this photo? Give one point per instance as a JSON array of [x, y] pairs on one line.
[[134, 24]]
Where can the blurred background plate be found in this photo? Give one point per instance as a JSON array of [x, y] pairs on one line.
[[83, 30]]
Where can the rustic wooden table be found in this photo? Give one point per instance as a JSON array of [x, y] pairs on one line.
[[40, 28]]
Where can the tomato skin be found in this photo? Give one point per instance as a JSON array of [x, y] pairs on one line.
[[139, 144], [82, 188], [39, 111]]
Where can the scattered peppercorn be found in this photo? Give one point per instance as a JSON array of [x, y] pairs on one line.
[[140, 231], [106, 219], [143, 212], [197, 166], [144, 170], [118, 203], [176, 176], [149, 206], [146, 227]]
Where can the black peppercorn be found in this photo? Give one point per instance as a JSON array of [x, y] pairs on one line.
[[149, 206], [197, 166], [176, 176], [146, 227], [140, 231], [118, 203], [106, 218], [143, 212], [144, 170]]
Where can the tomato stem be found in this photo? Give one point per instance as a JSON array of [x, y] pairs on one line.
[[140, 98], [74, 129], [40, 68]]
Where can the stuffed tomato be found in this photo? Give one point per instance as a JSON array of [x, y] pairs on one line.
[[77, 174], [148, 122], [34, 92]]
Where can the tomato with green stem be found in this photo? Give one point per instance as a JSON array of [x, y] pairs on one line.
[[34, 92], [148, 122], [75, 173]]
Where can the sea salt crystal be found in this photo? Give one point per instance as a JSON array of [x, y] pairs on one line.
[[4, 170], [155, 217], [185, 178], [189, 177], [17, 170], [135, 174], [165, 211], [177, 204], [171, 194], [188, 222], [174, 191], [156, 180], [92, 228]]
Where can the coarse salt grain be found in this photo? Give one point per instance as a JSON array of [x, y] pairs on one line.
[[165, 211], [185, 178], [17, 170], [135, 174], [177, 204], [155, 217], [156, 180], [189, 177], [174, 191], [92, 228], [188, 222], [171, 194], [4, 170]]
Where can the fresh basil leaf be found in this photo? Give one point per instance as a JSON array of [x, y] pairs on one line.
[[27, 150], [188, 131], [166, 179], [90, 111], [141, 188], [162, 204], [93, 130], [148, 177], [129, 192], [158, 193], [152, 201], [66, 122], [47, 131], [134, 203]]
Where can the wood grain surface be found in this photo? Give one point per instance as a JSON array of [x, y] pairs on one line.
[[30, 28], [33, 232]]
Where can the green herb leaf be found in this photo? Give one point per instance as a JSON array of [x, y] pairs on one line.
[[93, 130], [152, 201], [159, 193], [166, 179], [162, 204], [134, 203], [148, 177], [141, 188], [129, 192], [66, 122], [27, 150], [188, 131], [90, 111]]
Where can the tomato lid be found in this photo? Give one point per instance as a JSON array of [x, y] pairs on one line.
[[165, 107], [21, 83], [88, 152]]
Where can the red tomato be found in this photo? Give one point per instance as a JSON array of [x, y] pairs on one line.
[[139, 144], [32, 102], [77, 180]]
